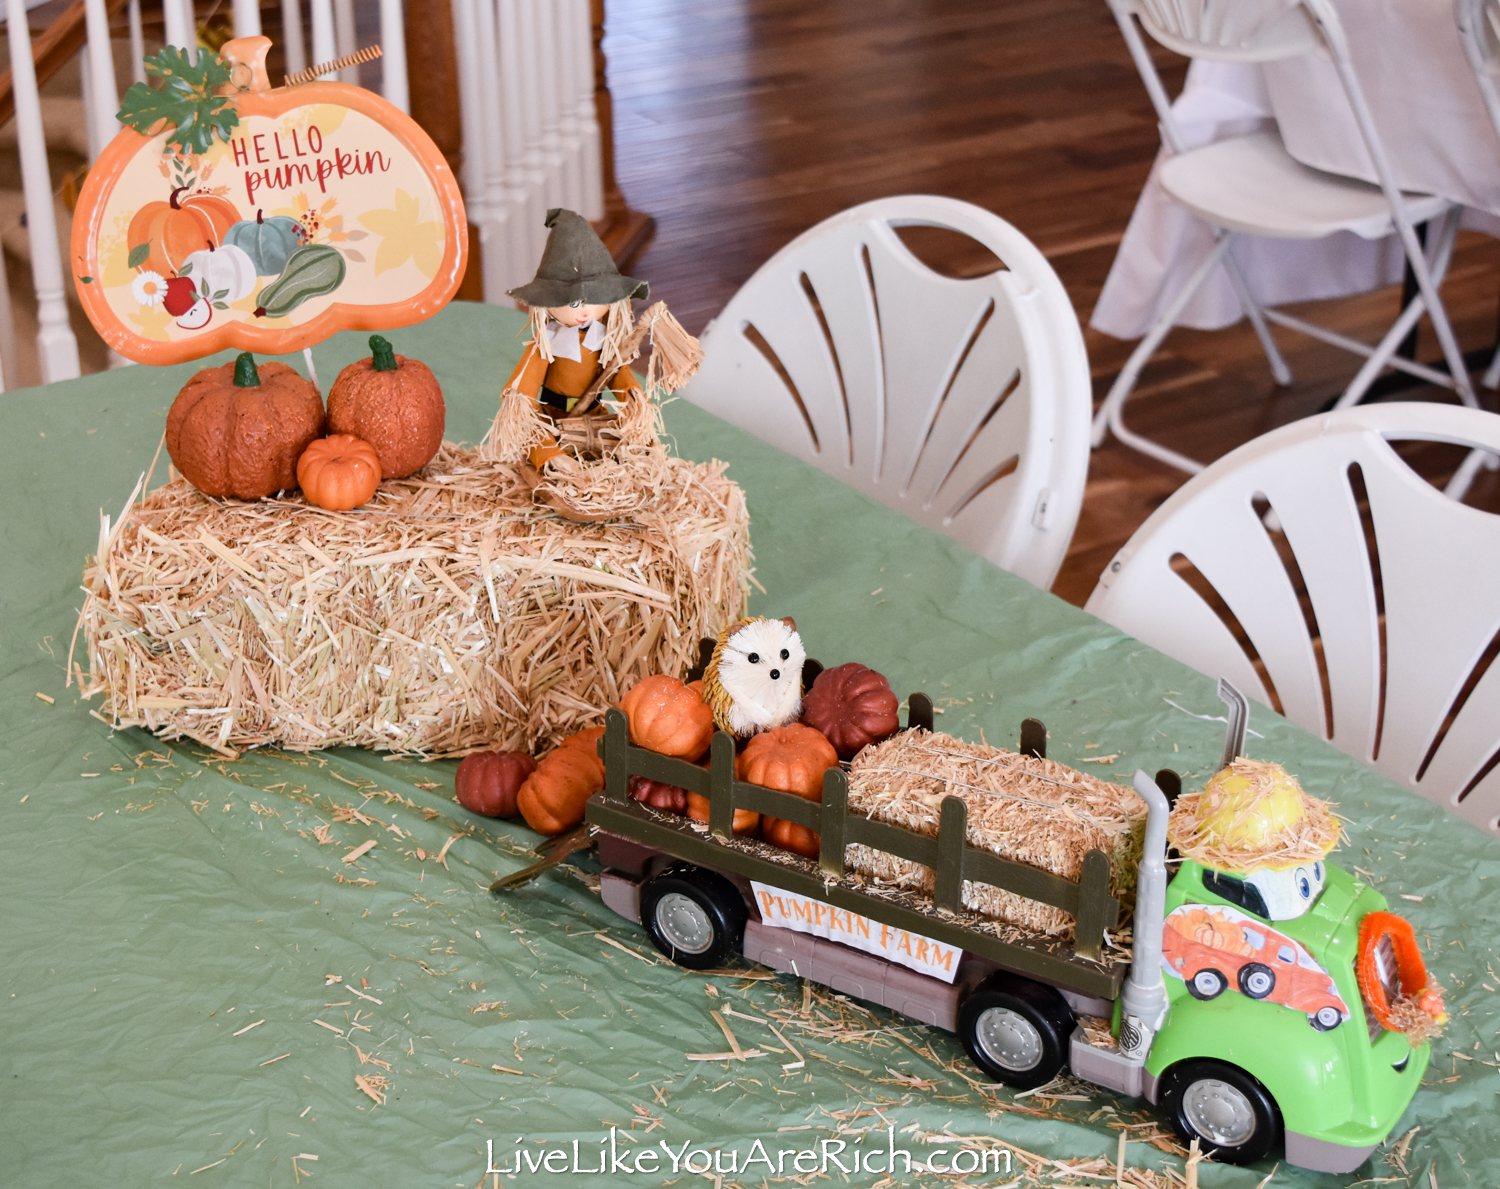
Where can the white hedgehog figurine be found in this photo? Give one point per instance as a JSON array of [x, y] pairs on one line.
[[754, 680]]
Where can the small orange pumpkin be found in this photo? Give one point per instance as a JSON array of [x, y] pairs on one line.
[[670, 717], [552, 798], [394, 403], [790, 836], [238, 429], [338, 472], [793, 759], [171, 231], [745, 820]]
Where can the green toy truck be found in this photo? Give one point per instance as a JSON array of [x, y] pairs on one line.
[[1244, 1019]]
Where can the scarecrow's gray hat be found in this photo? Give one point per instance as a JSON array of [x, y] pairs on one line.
[[576, 266]]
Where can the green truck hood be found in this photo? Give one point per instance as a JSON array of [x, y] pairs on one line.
[[1335, 1086]]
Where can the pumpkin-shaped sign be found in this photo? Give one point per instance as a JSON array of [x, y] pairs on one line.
[[265, 220]]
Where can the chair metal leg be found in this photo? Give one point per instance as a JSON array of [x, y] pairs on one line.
[[1108, 416], [1491, 378], [1436, 311], [1440, 250], [1279, 370], [1468, 470]]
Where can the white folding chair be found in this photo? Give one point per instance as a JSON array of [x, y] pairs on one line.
[[1321, 574], [1479, 30], [962, 403], [1250, 185]]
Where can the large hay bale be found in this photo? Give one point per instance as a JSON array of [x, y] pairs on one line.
[[449, 614], [1021, 808]]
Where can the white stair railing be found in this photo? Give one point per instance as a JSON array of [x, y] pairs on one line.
[[294, 45], [531, 133], [56, 346], [580, 48], [101, 93]]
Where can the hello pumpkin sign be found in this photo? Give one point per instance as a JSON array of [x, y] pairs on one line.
[[261, 219]]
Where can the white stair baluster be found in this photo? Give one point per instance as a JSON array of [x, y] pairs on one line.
[[471, 85], [324, 48], [591, 204], [393, 50], [137, 42], [56, 346], [499, 232], [344, 37], [295, 44], [247, 18], [470, 88], [180, 27], [549, 95], [102, 94], [532, 79], [570, 140], [528, 236]]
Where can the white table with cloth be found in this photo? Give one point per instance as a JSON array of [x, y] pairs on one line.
[[1431, 118]]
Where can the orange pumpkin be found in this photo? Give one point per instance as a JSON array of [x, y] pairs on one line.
[[587, 741], [338, 472], [394, 403], [667, 716], [239, 430], [171, 231], [745, 820], [552, 798], [793, 759], [790, 836]]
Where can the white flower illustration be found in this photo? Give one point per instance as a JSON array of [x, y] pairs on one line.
[[149, 288]]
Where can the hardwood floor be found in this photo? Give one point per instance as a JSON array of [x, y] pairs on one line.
[[741, 123]]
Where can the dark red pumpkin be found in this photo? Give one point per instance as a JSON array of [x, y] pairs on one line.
[[488, 781], [853, 706], [658, 795]]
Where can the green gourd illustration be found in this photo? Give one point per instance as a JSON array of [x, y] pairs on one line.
[[311, 271], [268, 242]]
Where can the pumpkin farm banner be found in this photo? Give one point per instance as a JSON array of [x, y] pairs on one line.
[[321, 208]]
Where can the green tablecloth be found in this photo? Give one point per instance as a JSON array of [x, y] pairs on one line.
[[171, 922]]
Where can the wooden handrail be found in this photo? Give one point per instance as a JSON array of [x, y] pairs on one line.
[[53, 50]]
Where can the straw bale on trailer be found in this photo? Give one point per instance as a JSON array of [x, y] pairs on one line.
[[1021, 808], [449, 614]]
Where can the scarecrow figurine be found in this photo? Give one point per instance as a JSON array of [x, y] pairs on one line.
[[573, 398]]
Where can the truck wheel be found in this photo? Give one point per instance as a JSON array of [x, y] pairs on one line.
[[1256, 981], [694, 916], [1207, 984], [1326, 1019], [1226, 1110], [1016, 1031]]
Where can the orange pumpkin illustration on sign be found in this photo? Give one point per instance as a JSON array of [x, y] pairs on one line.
[[266, 220]]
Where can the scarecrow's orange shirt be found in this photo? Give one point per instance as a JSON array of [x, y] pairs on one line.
[[565, 376]]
